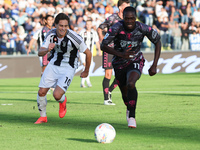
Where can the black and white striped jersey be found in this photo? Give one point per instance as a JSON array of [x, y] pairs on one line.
[[40, 35], [66, 49], [89, 37]]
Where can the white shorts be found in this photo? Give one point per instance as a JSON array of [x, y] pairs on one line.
[[57, 75]]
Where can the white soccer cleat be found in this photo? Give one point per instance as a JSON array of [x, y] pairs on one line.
[[131, 122], [89, 85], [127, 114], [108, 102]]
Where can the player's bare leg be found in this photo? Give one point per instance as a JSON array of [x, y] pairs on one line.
[[59, 96]]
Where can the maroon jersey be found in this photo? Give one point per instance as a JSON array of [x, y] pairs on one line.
[[111, 20], [124, 40], [107, 58]]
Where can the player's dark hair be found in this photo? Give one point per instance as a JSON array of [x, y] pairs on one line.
[[47, 16], [120, 2], [61, 16], [129, 9]]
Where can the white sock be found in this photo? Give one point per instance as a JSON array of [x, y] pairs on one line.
[[42, 103], [83, 81], [62, 99], [88, 80]]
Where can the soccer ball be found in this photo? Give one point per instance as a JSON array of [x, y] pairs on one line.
[[105, 133]]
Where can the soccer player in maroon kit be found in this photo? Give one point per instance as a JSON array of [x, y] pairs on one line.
[[107, 58], [128, 60]]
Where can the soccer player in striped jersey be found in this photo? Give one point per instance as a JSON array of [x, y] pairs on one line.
[[90, 37], [39, 37], [107, 58], [64, 45]]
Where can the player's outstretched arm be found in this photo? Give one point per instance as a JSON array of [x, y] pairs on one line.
[[100, 34], [30, 45], [88, 54], [153, 68]]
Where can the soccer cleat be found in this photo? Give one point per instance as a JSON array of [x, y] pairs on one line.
[[62, 108], [127, 114], [131, 122], [83, 86], [108, 102], [41, 120], [89, 85]]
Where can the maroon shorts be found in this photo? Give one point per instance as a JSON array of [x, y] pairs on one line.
[[121, 74]]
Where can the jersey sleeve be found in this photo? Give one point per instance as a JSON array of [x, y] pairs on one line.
[[110, 35], [36, 34], [46, 42], [82, 47], [77, 41], [107, 23], [152, 34]]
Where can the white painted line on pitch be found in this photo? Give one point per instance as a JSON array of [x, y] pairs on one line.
[[6, 104], [35, 92]]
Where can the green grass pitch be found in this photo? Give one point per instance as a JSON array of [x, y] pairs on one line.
[[167, 115]]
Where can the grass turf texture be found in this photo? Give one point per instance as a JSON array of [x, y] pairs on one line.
[[168, 115]]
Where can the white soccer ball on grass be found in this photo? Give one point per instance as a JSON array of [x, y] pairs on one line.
[[105, 133]]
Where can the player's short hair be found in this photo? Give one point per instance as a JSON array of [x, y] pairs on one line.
[[120, 2], [61, 16], [47, 16], [129, 9]]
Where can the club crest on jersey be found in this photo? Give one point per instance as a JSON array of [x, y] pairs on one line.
[[55, 39], [105, 37]]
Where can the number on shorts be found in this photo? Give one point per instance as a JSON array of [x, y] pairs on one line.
[[136, 65], [67, 81]]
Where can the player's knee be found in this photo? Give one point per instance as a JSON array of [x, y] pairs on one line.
[[108, 74], [131, 85], [41, 93], [57, 96]]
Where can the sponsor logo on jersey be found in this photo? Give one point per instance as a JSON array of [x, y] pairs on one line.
[[128, 44]]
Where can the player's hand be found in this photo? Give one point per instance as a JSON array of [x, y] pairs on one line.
[[128, 54], [100, 53], [28, 51], [51, 46], [84, 74], [152, 70]]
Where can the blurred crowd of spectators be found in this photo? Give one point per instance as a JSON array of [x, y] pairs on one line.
[[175, 20]]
